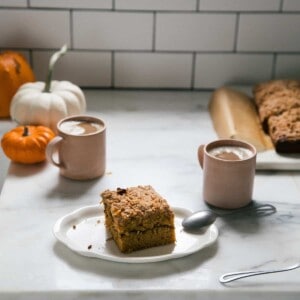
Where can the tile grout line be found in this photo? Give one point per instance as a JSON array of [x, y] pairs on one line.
[[154, 31], [273, 69], [193, 75], [112, 75], [281, 6], [236, 32], [71, 29]]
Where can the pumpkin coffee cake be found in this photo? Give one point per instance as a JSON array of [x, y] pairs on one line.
[[138, 218], [278, 104]]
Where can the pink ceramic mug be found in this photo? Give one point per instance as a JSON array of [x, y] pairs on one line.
[[80, 147], [228, 172]]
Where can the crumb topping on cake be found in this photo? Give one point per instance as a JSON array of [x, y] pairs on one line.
[[280, 88], [278, 105], [285, 126], [138, 218], [135, 201]]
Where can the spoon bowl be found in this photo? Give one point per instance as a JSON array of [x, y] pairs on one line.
[[199, 219]]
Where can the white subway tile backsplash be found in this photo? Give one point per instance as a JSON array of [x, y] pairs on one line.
[[89, 4], [87, 69], [34, 29], [240, 5], [178, 44], [269, 32], [291, 5], [161, 70], [288, 66], [195, 32], [215, 70], [13, 3], [172, 5], [112, 30]]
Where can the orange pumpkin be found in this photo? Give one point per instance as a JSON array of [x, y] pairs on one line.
[[27, 144], [14, 71]]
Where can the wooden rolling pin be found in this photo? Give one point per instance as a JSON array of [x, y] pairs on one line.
[[234, 116]]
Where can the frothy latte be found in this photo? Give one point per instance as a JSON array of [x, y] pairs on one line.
[[231, 152], [81, 127]]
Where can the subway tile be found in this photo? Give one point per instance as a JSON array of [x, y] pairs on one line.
[[269, 32], [86, 69], [34, 28], [287, 66], [113, 30], [13, 3], [89, 4], [172, 5], [240, 5], [153, 70], [195, 32], [291, 5], [215, 70]]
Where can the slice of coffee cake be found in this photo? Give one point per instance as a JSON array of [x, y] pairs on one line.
[[138, 218]]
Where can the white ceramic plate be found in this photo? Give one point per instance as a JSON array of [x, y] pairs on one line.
[[84, 232]]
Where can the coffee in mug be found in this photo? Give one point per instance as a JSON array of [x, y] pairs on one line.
[[80, 127], [80, 145], [228, 172], [230, 152]]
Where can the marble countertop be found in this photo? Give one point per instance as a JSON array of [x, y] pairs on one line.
[[152, 138]]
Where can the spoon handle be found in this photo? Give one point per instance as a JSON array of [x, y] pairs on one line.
[[228, 277], [259, 209]]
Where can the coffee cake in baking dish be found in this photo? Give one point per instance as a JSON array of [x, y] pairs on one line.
[[278, 105], [138, 218]]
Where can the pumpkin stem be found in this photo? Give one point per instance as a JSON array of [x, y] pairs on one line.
[[26, 131], [54, 58]]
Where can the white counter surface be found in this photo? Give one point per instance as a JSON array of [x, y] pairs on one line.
[[152, 138]]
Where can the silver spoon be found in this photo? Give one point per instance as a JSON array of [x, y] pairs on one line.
[[204, 218], [228, 277]]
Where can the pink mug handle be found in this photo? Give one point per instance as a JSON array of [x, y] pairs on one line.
[[51, 148], [201, 155]]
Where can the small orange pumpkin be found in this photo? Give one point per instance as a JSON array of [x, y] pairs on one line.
[[14, 72], [27, 144]]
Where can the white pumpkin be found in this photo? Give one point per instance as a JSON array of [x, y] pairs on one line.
[[32, 106], [46, 103]]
